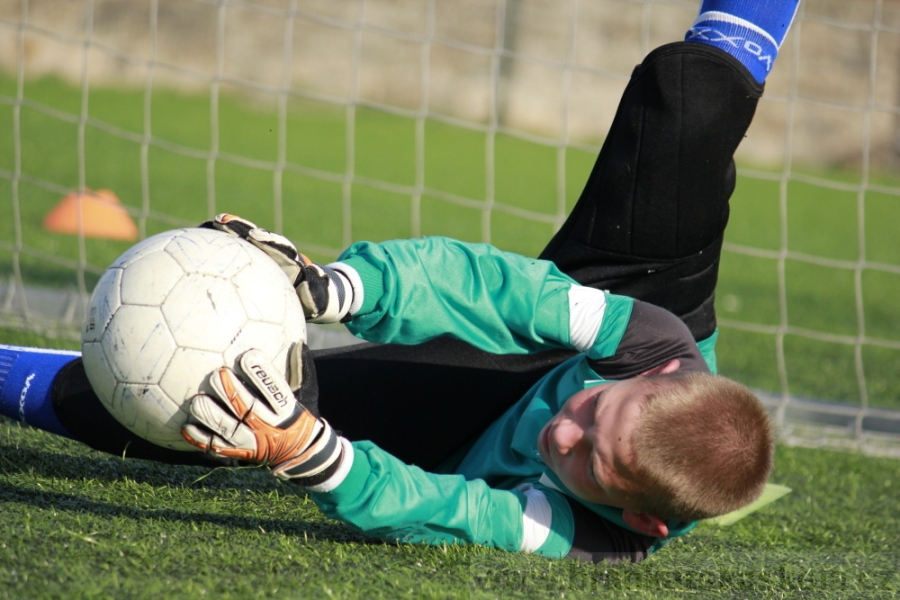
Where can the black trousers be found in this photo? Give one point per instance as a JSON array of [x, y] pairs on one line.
[[649, 224]]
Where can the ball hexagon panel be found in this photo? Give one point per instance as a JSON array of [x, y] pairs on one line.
[[150, 278], [270, 338], [269, 304], [211, 252], [204, 312], [150, 413], [102, 379], [105, 301], [137, 344], [189, 372], [154, 243]]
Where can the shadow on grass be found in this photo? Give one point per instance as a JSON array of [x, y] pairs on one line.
[[43, 499], [88, 464], [53, 465]]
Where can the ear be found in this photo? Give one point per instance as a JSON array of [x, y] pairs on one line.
[[669, 367], [645, 523]]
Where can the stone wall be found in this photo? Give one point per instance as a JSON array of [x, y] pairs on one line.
[[840, 59]]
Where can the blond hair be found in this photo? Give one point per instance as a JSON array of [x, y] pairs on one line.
[[703, 446]]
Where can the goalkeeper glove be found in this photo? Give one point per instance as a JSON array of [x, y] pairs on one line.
[[326, 292], [262, 422]]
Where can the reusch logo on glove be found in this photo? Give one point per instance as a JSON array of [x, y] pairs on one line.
[[266, 381]]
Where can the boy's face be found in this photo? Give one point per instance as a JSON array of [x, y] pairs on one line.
[[588, 442]]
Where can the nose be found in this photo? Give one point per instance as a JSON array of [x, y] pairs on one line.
[[567, 435]]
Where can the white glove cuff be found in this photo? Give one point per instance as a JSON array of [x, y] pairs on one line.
[[352, 283], [343, 470]]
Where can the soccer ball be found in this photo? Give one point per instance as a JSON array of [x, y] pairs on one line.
[[171, 310]]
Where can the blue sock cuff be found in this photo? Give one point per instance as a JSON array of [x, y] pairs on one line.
[[26, 381], [751, 31], [755, 48]]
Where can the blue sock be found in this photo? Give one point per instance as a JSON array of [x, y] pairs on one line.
[[749, 30], [26, 380]]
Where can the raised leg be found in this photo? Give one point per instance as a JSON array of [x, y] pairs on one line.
[[650, 221]]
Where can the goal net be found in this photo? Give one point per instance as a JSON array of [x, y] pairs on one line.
[[477, 119]]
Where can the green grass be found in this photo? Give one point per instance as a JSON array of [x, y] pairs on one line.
[[76, 523]]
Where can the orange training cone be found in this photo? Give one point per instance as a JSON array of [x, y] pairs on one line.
[[102, 216]]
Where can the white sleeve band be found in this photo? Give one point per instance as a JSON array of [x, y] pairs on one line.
[[341, 474], [536, 520], [586, 308], [356, 285]]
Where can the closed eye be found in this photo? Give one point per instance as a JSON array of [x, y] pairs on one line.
[[592, 457], [592, 470]]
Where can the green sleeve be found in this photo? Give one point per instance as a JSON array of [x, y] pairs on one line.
[[389, 500], [416, 290]]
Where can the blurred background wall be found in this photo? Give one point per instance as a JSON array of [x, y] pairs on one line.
[[558, 68]]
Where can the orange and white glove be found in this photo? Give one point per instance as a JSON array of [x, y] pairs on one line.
[[256, 418], [326, 292]]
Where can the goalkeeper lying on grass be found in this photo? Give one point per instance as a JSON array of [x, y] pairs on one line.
[[563, 406]]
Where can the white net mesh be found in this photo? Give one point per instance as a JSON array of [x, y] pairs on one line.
[[477, 119]]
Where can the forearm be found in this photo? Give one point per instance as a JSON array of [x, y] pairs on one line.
[[416, 290], [392, 501]]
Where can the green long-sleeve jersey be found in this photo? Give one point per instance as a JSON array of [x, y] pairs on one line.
[[499, 493]]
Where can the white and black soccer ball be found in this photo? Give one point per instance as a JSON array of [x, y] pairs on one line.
[[171, 310]]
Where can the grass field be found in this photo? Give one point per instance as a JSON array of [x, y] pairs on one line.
[[74, 523]]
